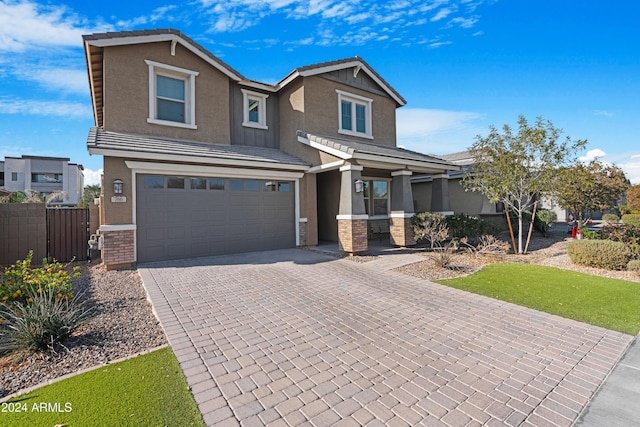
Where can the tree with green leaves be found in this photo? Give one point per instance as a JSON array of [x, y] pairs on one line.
[[586, 187], [517, 168], [90, 192]]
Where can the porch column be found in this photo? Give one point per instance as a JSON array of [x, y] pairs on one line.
[[352, 216], [400, 230], [440, 202]]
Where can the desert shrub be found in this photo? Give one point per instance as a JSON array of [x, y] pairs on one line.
[[610, 218], [600, 253], [462, 225], [19, 278], [45, 320], [429, 226], [487, 245], [634, 265], [443, 254], [544, 220], [627, 234], [631, 219]]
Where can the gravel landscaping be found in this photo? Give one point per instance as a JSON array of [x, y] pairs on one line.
[[122, 324]]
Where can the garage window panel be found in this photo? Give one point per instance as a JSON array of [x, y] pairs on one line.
[[236, 184], [252, 185], [153, 181], [176, 182], [216, 183], [198, 183]]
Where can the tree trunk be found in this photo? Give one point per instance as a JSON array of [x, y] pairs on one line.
[[520, 232]]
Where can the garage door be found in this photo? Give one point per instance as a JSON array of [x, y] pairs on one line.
[[185, 217]]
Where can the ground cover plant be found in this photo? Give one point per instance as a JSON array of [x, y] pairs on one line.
[[609, 303], [148, 390]]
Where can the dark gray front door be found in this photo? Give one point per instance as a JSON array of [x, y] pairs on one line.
[[185, 217]]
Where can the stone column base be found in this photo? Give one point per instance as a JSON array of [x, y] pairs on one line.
[[352, 235], [303, 233], [401, 232], [118, 248]]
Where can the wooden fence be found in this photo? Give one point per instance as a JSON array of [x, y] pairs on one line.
[[54, 233]]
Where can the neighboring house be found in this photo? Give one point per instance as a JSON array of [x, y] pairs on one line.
[[199, 160], [45, 175], [460, 201]]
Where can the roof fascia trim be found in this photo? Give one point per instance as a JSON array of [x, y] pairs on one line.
[[153, 38], [333, 151], [190, 159], [405, 162]]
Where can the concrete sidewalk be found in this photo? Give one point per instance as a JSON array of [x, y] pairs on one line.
[[617, 402]]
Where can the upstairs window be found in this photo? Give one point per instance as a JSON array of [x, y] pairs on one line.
[[171, 95], [254, 108], [354, 115], [55, 178]]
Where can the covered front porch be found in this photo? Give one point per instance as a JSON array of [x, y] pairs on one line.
[[364, 191]]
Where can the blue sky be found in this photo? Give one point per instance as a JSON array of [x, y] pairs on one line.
[[462, 65]]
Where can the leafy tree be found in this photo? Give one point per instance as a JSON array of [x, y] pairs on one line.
[[89, 193], [585, 187], [516, 168], [633, 197]]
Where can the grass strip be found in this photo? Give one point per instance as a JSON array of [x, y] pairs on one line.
[[148, 390], [610, 303]]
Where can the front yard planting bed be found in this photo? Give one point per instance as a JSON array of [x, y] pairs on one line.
[[610, 303]]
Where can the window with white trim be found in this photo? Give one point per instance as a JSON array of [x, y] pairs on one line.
[[354, 114], [254, 109], [172, 93]]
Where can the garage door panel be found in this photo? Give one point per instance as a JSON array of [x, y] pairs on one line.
[[179, 223]]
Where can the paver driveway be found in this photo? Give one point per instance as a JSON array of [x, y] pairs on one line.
[[296, 337]]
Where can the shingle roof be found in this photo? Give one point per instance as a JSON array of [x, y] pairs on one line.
[[352, 147], [102, 142]]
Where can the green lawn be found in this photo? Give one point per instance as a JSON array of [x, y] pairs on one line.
[[148, 390], [610, 303]]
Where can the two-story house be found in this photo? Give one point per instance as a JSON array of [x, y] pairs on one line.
[[45, 176], [199, 160]]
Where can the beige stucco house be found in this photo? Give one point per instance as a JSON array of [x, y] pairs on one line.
[[199, 160]]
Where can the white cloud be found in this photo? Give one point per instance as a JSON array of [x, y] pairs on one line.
[[92, 177], [437, 131], [603, 113], [44, 108], [68, 80], [442, 13], [26, 25], [592, 155]]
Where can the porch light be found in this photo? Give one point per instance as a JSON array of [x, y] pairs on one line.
[[117, 186], [359, 184]]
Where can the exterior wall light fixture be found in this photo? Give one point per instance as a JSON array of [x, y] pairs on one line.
[[117, 186], [359, 185]]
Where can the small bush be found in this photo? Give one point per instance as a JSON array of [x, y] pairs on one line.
[[47, 319], [634, 265], [627, 234], [429, 226], [600, 253], [21, 277], [462, 225], [544, 220], [631, 219], [610, 218]]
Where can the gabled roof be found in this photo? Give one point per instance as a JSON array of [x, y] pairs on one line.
[[375, 155], [94, 45], [132, 146], [357, 63]]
